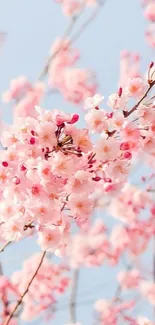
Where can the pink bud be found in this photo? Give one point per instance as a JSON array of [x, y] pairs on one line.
[[96, 179], [127, 155], [93, 161], [151, 64], [16, 180], [120, 91], [74, 119], [35, 190], [5, 164], [32, 140], [22, 168], [110, 115], [124, 146]]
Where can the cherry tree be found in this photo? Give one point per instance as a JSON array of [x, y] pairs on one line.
[[56, 175]]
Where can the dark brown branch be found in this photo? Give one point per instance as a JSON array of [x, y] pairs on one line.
[[72, 305], [126, 114], [4, 246], [7, 320]]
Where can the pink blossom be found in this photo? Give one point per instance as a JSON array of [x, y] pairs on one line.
[[49, 239], [82, 140], [130, 279], [80, 205], [107, 149], [148, 290], [50, 281], [136, 87], [150, 11], [96, 121], [116, 102], [46, 134], [75, 84], [93, 102]]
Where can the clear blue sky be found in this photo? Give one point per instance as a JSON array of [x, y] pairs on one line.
[[32, 26]]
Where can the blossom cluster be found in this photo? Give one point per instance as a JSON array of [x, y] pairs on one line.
[[51, 168], [55, 174], [50, 282], [73, 83]]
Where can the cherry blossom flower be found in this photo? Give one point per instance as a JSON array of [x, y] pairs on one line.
[[150, 11], [93, 102], [136, 87]]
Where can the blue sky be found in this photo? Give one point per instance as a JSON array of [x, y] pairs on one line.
[[32, 26]]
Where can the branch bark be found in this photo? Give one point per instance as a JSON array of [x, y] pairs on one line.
[[4, 246], [73, 297], [7, 320]]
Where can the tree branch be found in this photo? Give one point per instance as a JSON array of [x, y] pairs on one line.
[[126, 114], [87, 22], [4, 246], [49, 60], [7, 320], [72, 305], [74, 38]]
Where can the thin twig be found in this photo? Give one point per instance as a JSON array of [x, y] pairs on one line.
[[1, 269], [66, 34], [119, 288], [87, 22], [117, 293], [7, 320], [4, 246], [72, 305], [74, 38]]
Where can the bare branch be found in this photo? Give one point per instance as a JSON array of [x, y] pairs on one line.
[[7, 320], [72, 305], [66, 34], [87, 22], [74, 38], [4, 246]]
